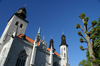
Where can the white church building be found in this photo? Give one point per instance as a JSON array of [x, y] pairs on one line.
[[16, 49]]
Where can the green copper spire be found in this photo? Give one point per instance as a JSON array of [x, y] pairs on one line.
[[39, 31], [39, 34]]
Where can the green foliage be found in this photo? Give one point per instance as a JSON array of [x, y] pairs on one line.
[[94, 61], [98, 23], [79, 33], [77, 26], [94, 23], [85, 23], [84, 63], [98, 29], [82, 15], [93, 53], [93, 37], [81, 40], [81, 47], [86, 19], [90, 58]]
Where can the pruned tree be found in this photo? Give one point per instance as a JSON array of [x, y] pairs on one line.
[[84, 63], [89, 38]]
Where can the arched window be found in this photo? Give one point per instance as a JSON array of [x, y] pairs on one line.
[[17, 23], [55, 64], [21, 25], [21, 58]]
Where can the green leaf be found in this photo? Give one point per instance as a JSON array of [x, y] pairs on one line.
[[77, 26], [86, 19], [85, 23], [81, 40], [82, 15], [79, 33], [94, 23]]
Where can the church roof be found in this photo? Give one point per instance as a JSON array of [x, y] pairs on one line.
[[27, 38], [32, 41]]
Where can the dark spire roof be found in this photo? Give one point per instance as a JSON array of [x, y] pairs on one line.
[[63, 40], [51, 44], [21, 13]]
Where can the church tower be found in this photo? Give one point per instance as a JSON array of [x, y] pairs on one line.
[[64, 51], [17, 23]]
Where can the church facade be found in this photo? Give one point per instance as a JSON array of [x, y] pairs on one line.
[[16, 49]]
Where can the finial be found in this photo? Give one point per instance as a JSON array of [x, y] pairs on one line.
[[24, 5], [62, 31], [51, 36]]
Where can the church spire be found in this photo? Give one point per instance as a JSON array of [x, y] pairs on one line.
[[51, 44], [63, 40], [38, 36], [39, 30]]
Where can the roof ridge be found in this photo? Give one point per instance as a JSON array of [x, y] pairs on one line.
[[32, 41]]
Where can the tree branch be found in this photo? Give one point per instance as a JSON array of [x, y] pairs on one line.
[[81, 47], [89, 27], [85, 41], [84, 37], [82, 29], [93, 30], [97, 48], [96, 43], [94, 33], [84, 49]]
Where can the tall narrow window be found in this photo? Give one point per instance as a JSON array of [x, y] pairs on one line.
[[64, 49], [17, 23], [64, 55], [21, 25], [21, 58]]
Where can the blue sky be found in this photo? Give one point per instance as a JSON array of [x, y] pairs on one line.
[[54, 16]]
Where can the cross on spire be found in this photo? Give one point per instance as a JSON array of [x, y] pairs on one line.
[[62, 31]]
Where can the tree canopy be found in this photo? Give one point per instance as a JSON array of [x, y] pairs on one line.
[[92, 38]]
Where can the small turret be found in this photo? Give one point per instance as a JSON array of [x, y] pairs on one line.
[[51, 44], [51, 52], [21, 13]]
